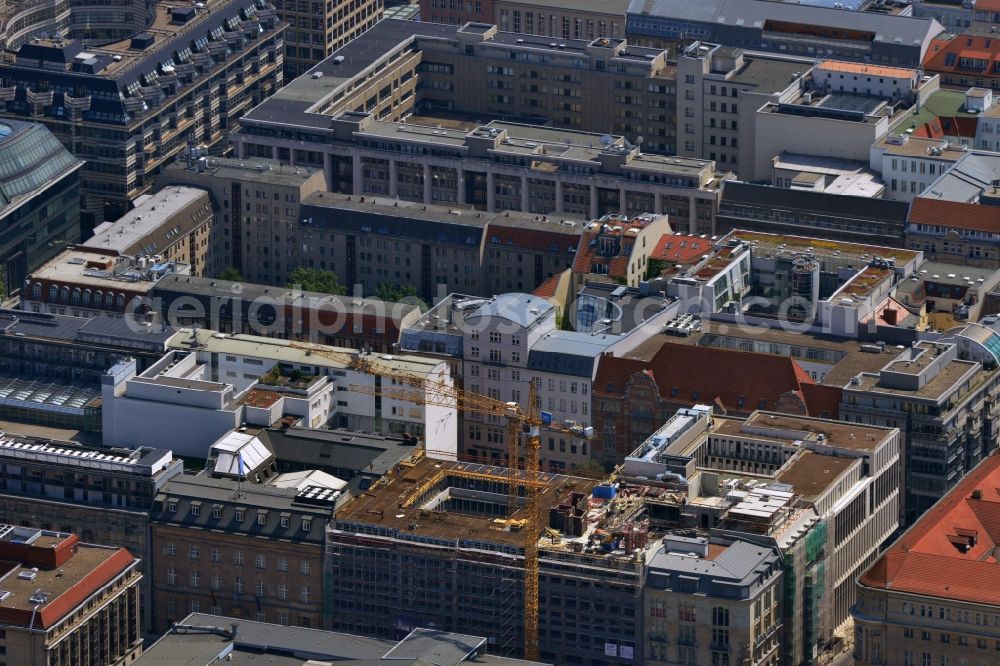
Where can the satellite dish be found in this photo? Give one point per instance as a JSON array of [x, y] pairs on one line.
[[606, 140], [639, 139]]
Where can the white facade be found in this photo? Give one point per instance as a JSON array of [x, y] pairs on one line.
[[910, 164]]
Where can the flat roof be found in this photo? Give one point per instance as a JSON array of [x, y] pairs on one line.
[[820, 246], [810, 474], [256, 346], [381, 506], [786, 429], [252, 169], [870, 70], [768, 74], [940, 385]]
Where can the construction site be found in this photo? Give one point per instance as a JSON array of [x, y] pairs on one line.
[[435, 546]]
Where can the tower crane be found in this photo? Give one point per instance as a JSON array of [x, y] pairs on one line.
[[424, 390]]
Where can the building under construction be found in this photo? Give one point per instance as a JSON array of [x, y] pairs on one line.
[[433, 546]]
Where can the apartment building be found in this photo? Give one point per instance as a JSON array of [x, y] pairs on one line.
[[434, 70], [256, 204], [619, 247], [256, 309], [317, 29], [243, 550], [787, 28], [582, 20], [40, 209], [457, 572], [175, 224], [727, 597], [132, 105], [906, 615], [89, 282], [965, 60], [67, 602], [938, 395], [99, 493], [909, 164]]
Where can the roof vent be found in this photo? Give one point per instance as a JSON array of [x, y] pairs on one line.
[[977, 494]]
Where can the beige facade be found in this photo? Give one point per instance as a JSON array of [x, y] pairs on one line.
[[317, 29], [256, 206], [175, 224], [128, 124], [588, 19]]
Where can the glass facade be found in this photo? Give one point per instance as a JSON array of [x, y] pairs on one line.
[[39, 201]]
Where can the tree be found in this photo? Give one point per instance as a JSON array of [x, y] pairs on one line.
[[395, 293], [591, 468], [232, 274], [655, 268], [314, 279]]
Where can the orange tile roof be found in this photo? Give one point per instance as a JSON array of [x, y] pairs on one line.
[[873, 70], [693, 370], [964, 46], [955, 214], [547, 289], [948, 553], [681, 249]]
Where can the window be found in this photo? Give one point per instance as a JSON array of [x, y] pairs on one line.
[[304, 594], [238, 558], [262, 517], [240, 515], [195, 579], [282, 564], [307, 525], [495, 337], [216, 582], [283, 591], [195, 509], [171, 577], [259, 561], [304, 567], [238, 585], [260, 589], [171, 549], [216, 555], [217, 512], [194, 552], [172, 507], [284, 521]]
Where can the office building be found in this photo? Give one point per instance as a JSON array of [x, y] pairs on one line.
[[727, 597], [909, 164], [931, 597], [317, 29], [245, 550], [581, 20], [938, 395], [785, 27], [200, 638], [256, 309], [824, 493], [175, 224], [418, 570], [67, 602], [256, 206], [39, 204], [99, 493], [954, 232], [633, 397], [347, 120], [131, 105], [90, 282], [817, 214]]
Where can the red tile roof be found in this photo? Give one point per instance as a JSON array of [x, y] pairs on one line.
[[539, 240], [547, 289], [963, 46], [949, 552], [822, 400], [736, 381], [955, 214], [681, 249]]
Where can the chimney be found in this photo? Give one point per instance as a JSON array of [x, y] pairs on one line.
[[234, 630], [889, 315], [977, 494]]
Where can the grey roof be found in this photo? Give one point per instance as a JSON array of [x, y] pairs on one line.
[[336, 451], [752, 13], [436, 647], [201, 639], [186, 490], [735, 192], [32, 158], [569, 352], [741, 565], [966, 179], [524, 310], [108, 331]]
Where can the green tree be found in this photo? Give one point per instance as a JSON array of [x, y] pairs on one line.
[[314, 279], [654, 268], [395, 292], [232, 274]]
